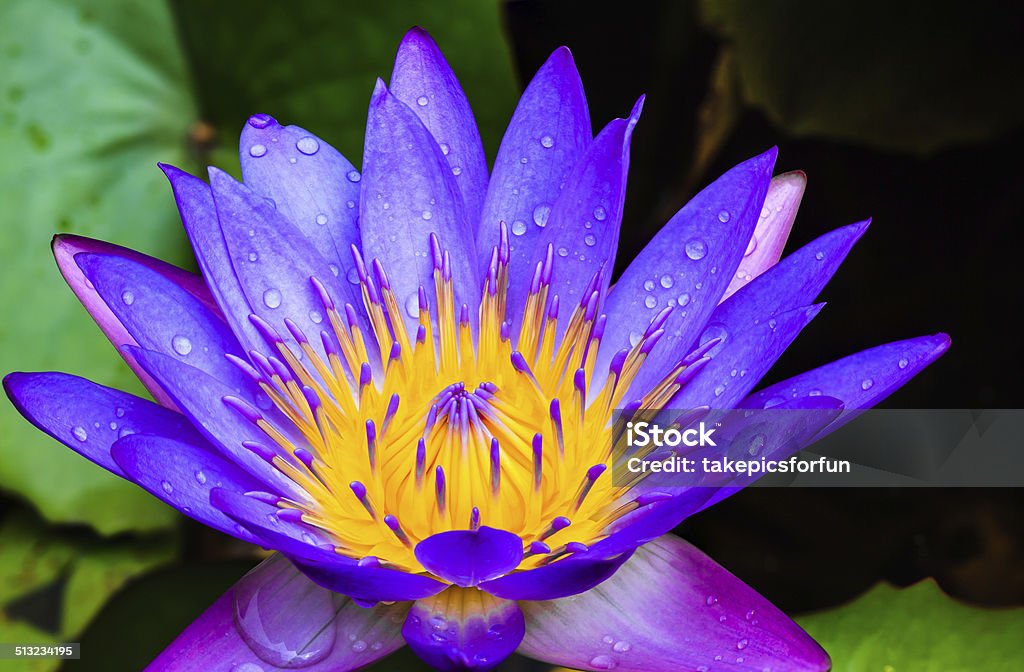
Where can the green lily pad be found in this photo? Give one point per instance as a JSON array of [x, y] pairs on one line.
[[75, 572], [315, 64], [917, 629], [94, 94], [899, 76]]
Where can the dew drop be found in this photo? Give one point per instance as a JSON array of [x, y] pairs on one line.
[[321, 219], [600, 214], [666, 281], [350, 204], [723, 216], [353, 276], [650, 301], [711, 601], [756, 444], [750, 614], [445, 149], [456, 170], [359, 646], [426, 214], [562, 252], [260, 120], [696, 249], [308, 145], [634, 337], [683, 299], [774, 401], [412, 305], [128, 297], [649, 285], [719, 389], [547, 141], [590, 240], [253, 256], [353, 176], [603, 662], [200, 477], [540, 214], [167, 487], [751, 246], [866, 384], [742, 644], [622, 646], [182, 345], [334, 269], [903, 363], [608, 639], [119, 412], [518, 227], [422, 101], [814, 393], [272, 298], [256, 151], [315, 317], [80, 433], [819, 256]]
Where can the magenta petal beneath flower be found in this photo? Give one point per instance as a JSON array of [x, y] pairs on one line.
[[275, 618], [463, 629], [469, 557], [669, 608]]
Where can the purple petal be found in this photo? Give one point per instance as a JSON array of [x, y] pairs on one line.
[[200, 398], [860, 381], [161, 316], [311, 183], [275, 618], [274, 262], [548, 134], [182, 475], [468, 557], [88, 418], [408, 193], [669, 608], [748, 349], [199, 216], [312, 553], [574, 574], [67, 246], [772, 231], [688, 265], [464, 629], [584, 221], [423, 80]]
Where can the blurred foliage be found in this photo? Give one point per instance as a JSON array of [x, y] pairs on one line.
[[94, 94], [54, 581], [900, 76], [917, 629]]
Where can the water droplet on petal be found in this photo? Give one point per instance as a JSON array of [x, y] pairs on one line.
[[315, 317], [427, 214], [866, 384], [128, 297], [200, 477], [750, 614], [260, 120], [562, 252], [321, 219], [723, 216], [80, 433], [445, 149], [650, 301], [167, 487], [751, 246], [903, 363], [412, 305], [456, 170], [683, 299], [353, 276], [608, 639], [307, 145], [711, 601], [666, 281], [272, 298], [182, 345], [814, 393], [622, 647], [547, 141], [119, 412], [649, 285], [353, 176], [634, 337], [518, 227], [590, 240], [819, 256], [603, 662], [540, 214], [742, 644], [256, 151], [254, 257], [359, 646], [774, 401], [696, 249]]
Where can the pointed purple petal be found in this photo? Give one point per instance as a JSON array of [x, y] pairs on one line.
[[687, 266], [182, 475], [311, 183], [468, 557], [584, 222], [66, 247], [408, 193], [772, 231], [423, 80], [463, 629], [574, 574], [669, 608], [88, 418], [549, 132], [275, 618]]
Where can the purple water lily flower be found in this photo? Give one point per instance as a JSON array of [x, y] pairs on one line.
[[402, 381]]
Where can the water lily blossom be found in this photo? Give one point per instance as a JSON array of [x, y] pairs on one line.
[[402, 380]]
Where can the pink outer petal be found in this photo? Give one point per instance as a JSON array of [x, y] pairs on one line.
[[66, 246], [670, 607], [282, 611], [772, 231]]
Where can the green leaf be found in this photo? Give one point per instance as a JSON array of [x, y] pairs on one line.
[[917, 629], [900, 76], [93, 94], [315, 64]]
